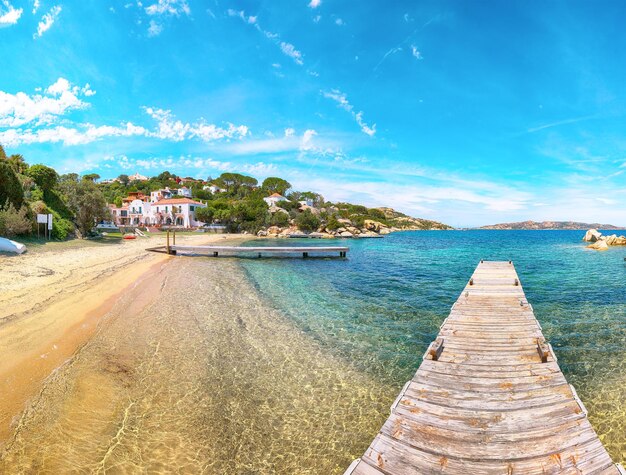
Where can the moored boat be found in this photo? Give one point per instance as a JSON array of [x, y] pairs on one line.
[[6, 245]]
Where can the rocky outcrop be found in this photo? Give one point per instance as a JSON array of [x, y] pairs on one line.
[[602, 243], [599, 245], [592, 235]]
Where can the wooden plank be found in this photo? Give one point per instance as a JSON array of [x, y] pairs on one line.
[[489, 396]]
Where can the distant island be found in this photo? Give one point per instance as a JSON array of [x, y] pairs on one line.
[[550, 225]]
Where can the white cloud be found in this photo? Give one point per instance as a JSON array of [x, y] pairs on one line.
[[416, 53], [9, 15], [339, 22], [169, 7], [59, 98], [171, 129], [79, 135], [292, 52], [289, 142], [154, 29], [36, 5], [342, 101], [287, 48], [315, 3], [47, 21]]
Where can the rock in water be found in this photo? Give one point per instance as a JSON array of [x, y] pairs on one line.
[[600, 245], [592, 235]]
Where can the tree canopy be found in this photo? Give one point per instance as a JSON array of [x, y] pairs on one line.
[[45, 177], [274, 184]]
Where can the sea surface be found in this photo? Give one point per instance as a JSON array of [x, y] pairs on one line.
[[379, 309]]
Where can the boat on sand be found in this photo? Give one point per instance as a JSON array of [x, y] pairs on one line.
[[6, 245]]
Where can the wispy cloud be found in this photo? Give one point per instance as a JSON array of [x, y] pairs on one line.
[[47, 21], [342, 101], [416, 53], [36, 5], [9, 15], [315, 3], [288, 49], [163, 9], [559, 123], [169, 7]]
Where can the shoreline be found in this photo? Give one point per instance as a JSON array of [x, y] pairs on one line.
[[48, 314], [193, 368]]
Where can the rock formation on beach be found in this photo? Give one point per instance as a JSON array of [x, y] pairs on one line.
[[602, 243]]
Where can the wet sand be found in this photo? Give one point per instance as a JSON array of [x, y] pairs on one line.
[[188, 370]]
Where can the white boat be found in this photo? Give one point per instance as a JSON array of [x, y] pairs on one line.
[[7, 245]]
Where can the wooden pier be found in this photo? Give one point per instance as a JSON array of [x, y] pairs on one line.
[[215, 251], [488, 398]]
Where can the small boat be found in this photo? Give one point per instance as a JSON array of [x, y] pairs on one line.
[[129, 236], [7, 245]]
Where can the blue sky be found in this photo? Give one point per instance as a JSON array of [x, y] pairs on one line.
[[466, 112]]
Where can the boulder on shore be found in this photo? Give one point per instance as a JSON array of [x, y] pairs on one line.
[[600, 245], [592, 235], [346, 234]]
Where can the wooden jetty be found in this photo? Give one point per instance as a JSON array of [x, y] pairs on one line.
[[215, 251], [488, 398]]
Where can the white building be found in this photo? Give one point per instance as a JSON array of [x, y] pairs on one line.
[[163, 194], [137, 177], [176, 212], [213, 189], [184, 191], [273, 199], [138, 211]]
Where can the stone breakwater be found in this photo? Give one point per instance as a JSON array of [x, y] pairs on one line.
[[600, 242]]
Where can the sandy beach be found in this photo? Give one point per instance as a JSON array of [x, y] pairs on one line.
[[158, 364]]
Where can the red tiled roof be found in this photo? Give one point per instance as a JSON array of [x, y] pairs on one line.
[[276, 195], [177, 201]]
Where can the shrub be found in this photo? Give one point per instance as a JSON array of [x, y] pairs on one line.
[[333, 224], [279, 219], [10, 186], [14, 222], [307, 221]]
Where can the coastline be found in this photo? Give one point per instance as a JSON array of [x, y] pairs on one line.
[[192, 367], [51, 305]]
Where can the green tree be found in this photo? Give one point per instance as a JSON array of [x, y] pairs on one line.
[[205, 214], [123, 179], [307, 221], [10, 187], [274, 184], [234, 181], [18, 164], [45, 177], [87, 202], [91, 177]]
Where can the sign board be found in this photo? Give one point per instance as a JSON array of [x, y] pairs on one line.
[[42, 218], [49, 221]]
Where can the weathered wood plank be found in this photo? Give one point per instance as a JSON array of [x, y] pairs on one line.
[[489, 398]]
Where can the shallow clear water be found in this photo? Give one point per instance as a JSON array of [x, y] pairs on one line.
[[379, 309]]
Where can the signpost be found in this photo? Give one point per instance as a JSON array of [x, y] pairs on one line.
[[46, 220]]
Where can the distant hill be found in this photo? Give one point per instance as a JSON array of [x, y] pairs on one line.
[[551, 225], [402, 221]]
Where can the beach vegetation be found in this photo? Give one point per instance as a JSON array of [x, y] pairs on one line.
[[15, 221], [275, 184], [307, 221], [45, 177], [11, 190]]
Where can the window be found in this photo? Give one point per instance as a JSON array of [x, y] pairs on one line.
[[191, 208]]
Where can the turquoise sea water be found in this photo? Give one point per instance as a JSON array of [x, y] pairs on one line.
[[381, 307]]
